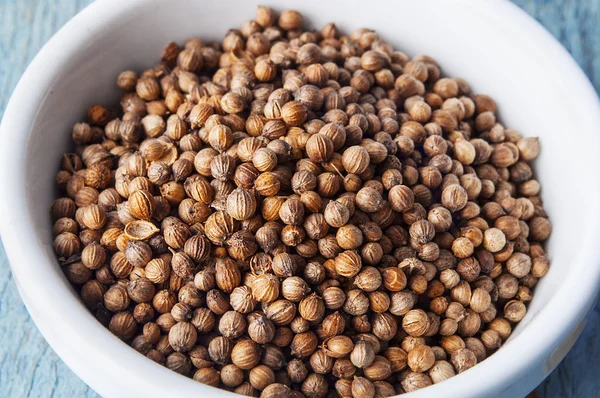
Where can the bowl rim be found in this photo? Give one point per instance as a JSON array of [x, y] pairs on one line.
[[15, 132]]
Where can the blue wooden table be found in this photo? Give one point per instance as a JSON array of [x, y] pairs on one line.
[[29, 367]]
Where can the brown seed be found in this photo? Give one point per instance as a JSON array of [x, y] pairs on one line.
[[463, 359], [93, 256], [515, 310], [66, 244], [494, 239], [261, 377], [164, 301], [379, 370], [349, 237], [94, 217], [141, 290], [231, 375], [297, 370], [540, 266], [267, 184], [241, 204], [265, 288], [385, 326], [261, 330], [116, 299], [312, 307], [320, 362], [369, 200], [303, 181], [362, 354], [441, 370], [245, 354], [348, 263], [394, 279], [415, 322], [355, 159], [219, 227], [294, 113], [333, 324], [362, 387], [123, 325], [462, 247], [208, 376], [319, 148], [540, 229], [464, 151], [519, 264], [97, 176], [529, 148], [264, 159], [290, 20], [276, 390], [232, 324], [228, 275], [304, 344], [480, 300], [182, 336], [334, 297], [241, 299], [454, 197], [294, 288], [421, 358], [265, 70], [401, 198], [283, 265], [281, 312], [369, 279], [336, 214], [232, 103], [339, 346]]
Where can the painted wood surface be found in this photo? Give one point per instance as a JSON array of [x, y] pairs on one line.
[[29, 367]]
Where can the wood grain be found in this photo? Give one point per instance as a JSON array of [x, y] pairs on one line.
[[29, 367]]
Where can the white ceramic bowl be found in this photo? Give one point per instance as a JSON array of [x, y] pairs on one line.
[[495, 46]]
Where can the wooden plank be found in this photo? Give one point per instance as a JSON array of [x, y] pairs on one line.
[[29, 367], [575, 24]]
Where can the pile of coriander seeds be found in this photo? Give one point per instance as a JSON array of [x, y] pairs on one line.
[[301, 213]]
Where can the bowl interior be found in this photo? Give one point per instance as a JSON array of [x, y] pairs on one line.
[[532, 95]]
